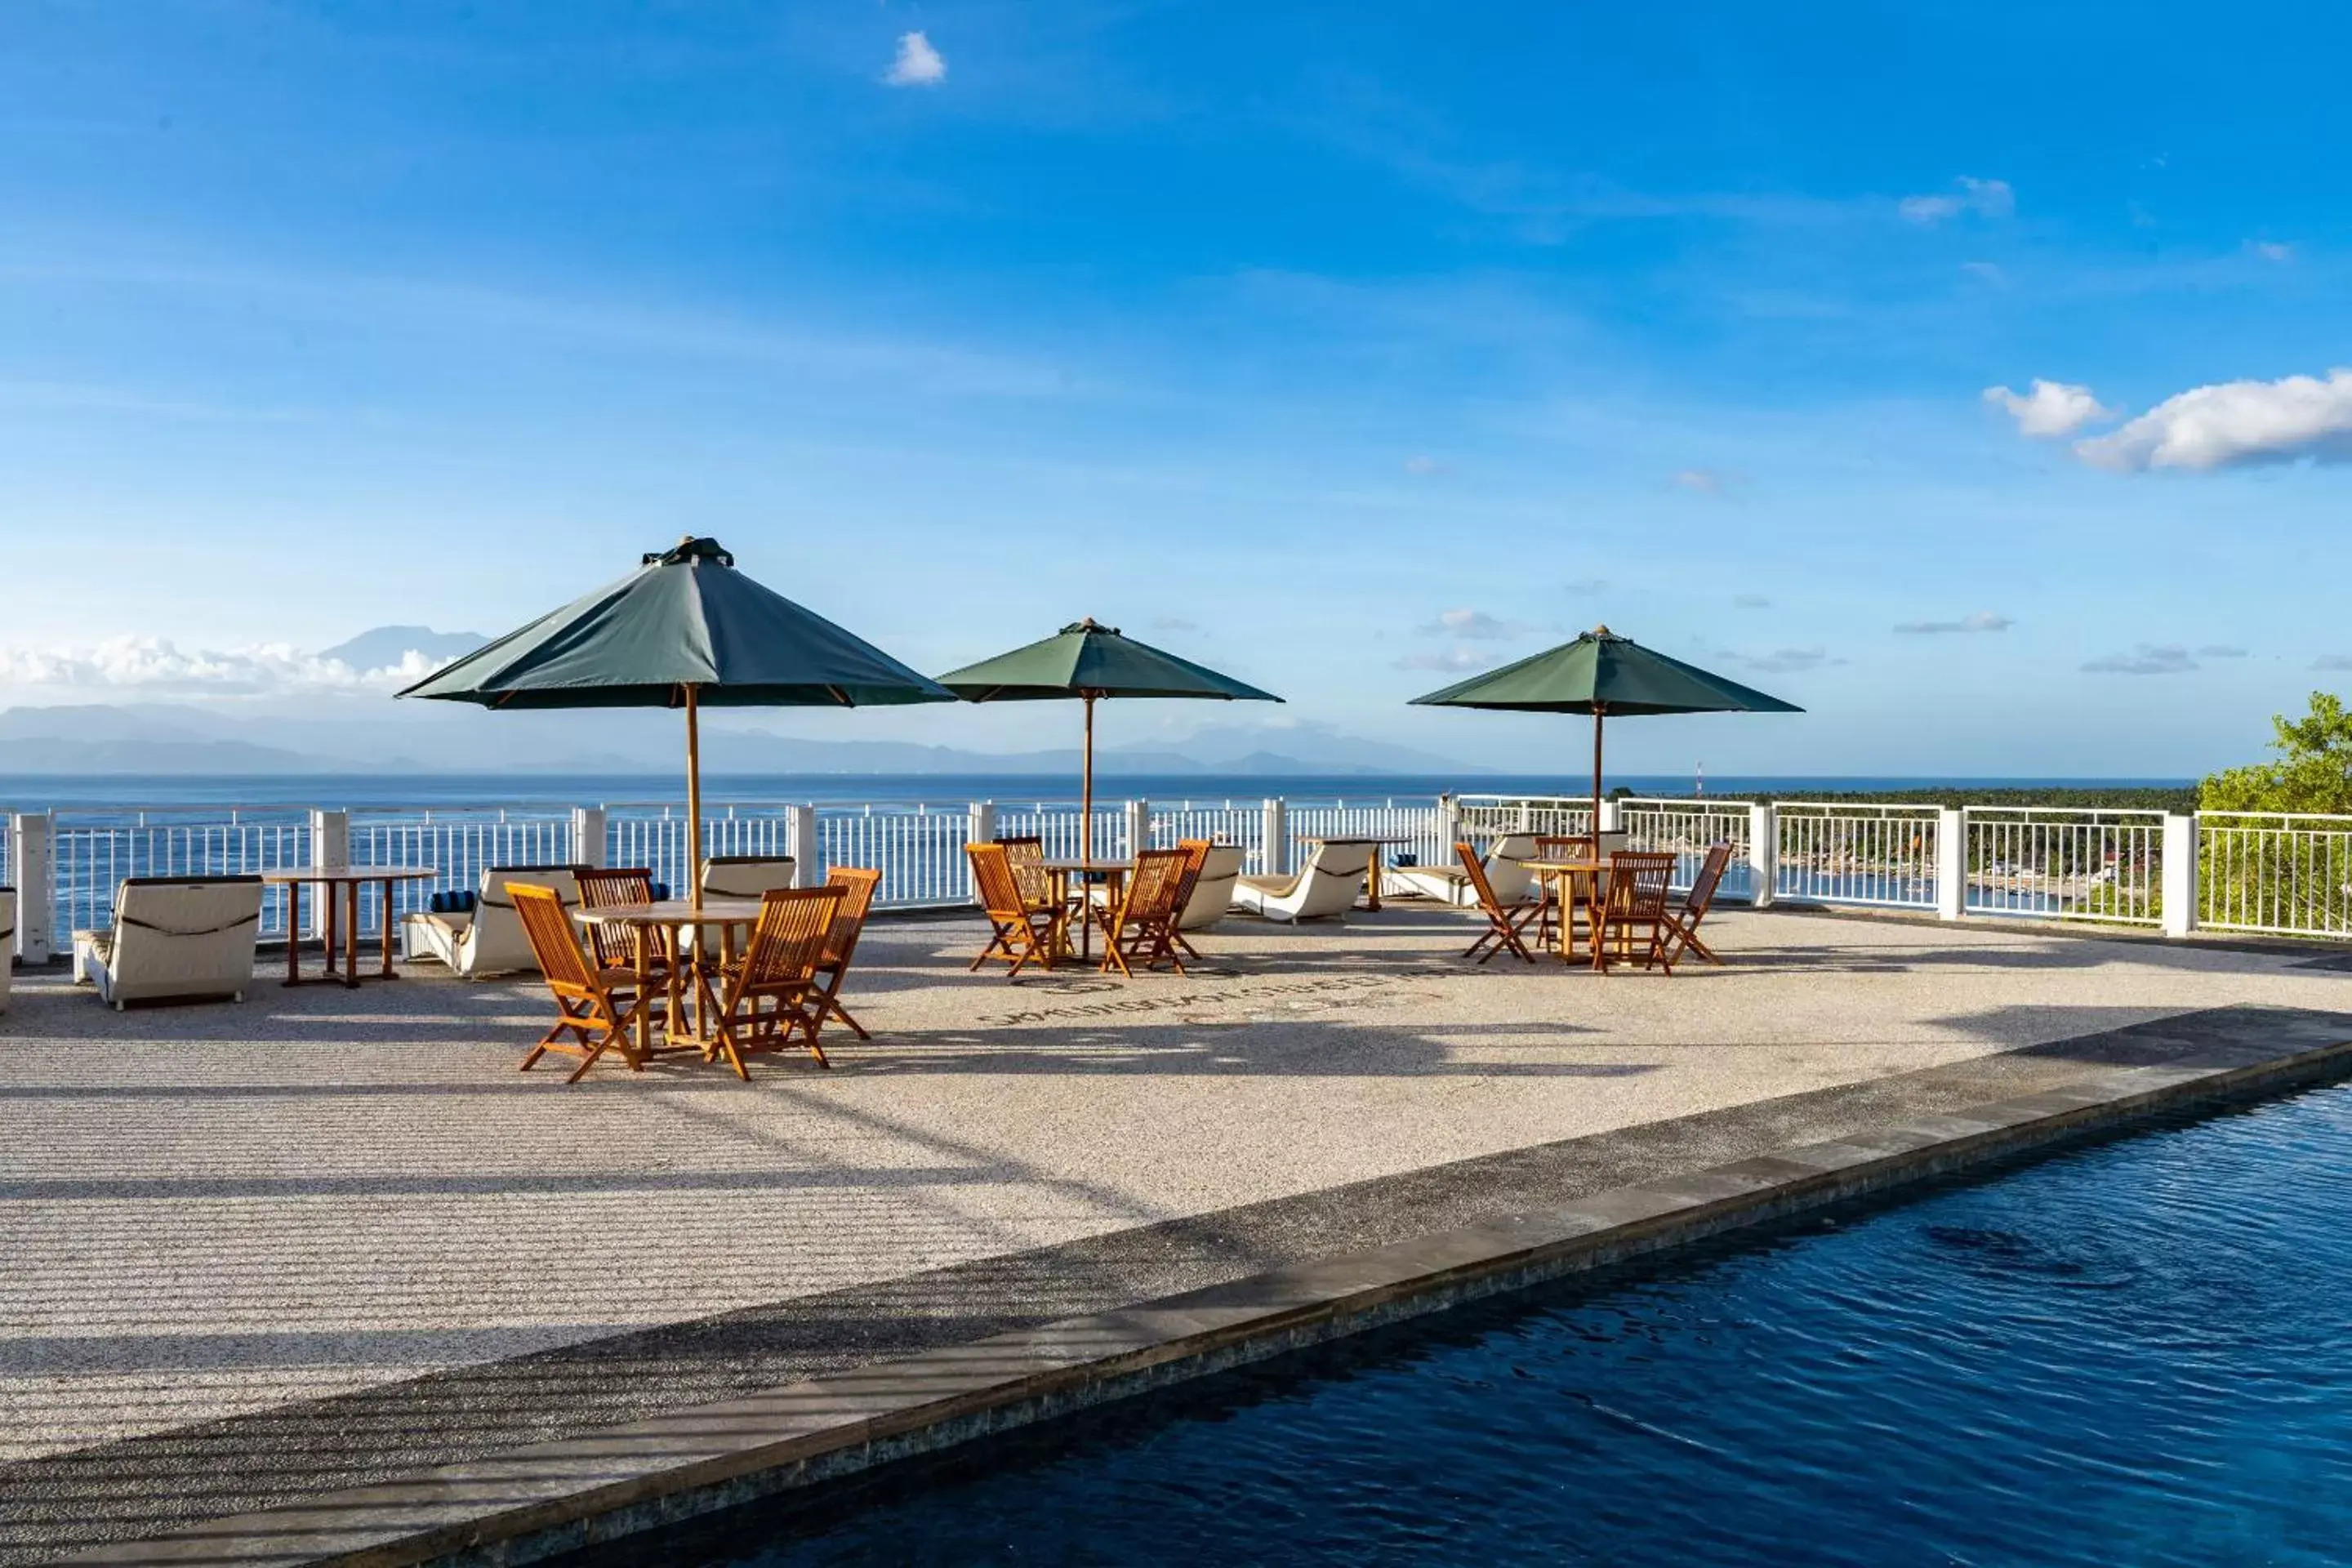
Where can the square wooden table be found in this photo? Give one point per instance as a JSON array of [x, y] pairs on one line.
[[348, 879]]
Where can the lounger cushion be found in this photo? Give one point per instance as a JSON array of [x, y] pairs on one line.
[[174, 939]]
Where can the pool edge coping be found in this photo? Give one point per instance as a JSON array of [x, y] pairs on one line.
[[542, 1500]]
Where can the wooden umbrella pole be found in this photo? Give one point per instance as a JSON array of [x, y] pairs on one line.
[[1597, 714], [1087, 791], [693, 799]]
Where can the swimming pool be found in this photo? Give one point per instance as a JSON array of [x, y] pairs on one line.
[[2132, 1351]]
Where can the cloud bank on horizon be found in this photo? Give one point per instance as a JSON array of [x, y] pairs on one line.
[[156, 666]]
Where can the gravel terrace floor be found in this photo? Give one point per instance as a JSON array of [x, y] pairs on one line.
[[216, 1211]]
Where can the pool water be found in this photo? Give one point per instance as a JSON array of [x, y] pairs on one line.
[[2134, 1351]]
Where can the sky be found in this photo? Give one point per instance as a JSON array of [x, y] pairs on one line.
[[1966, 374]]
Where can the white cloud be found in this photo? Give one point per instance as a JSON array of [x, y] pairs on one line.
[[2271, 250], [1421, 465], [1986, 272], [2050, 408], [1788, 660], [157, 665], [1449, 660], [2234, 424], [2333, 661], [2221, 650], [1699, 481], [1750, 602], [1585, 587], [1984, 198], [1982, 621], [2148, 658], [917, 63], [1474, 624], [1174, 623]]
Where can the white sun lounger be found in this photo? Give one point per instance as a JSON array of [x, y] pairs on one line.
[[745, 876], [1451, 884], [182, 939], [1326, 886], [487, 938], [1212, 891], [7, 942]]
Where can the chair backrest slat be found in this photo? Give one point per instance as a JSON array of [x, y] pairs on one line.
[[1638, 881], [1710, 874], [788, 941], [602, 888], [994, 881], [856, 884], [553, 940], [1027, 854], [1152, 888]]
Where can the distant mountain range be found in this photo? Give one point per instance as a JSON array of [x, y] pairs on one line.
[[178, 739], [372, 734]]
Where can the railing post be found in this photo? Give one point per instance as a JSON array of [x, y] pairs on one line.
[[2180, 874], [801, 843], [1139, 828], [1609, 815], [1951, 863], [1449, 830], [330, 844], [1763, 852], [588, 835], [1273, 854], [32, 865]]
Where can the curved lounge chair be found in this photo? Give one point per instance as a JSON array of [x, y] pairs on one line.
[[1326, 886], [179, 939], [1451, 884], [8, 941], [1212, 889], [745, 876], [489, 939]]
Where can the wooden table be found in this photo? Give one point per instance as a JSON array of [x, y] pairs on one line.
[[674, 916], [1112, 874], [1372, 871], [350, 878], [1565, 873]]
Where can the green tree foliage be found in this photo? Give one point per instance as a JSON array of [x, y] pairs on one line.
[[2313, 771]]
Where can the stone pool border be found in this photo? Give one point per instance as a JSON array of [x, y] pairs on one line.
[[547, 1499]]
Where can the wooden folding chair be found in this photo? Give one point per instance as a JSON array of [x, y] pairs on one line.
[[1635, 900], [614, 947], [595, 1005], [856, 885], [1142, 930], [1565, 846], [1019, 930], [1028, 857], [772, 994], [1683, 934], [1198, 850], [1506, 924]]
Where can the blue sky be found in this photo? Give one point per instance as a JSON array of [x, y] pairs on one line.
[[1343, 347]]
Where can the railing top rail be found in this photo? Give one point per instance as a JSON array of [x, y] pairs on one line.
[[2280, 816], [216, 812], [2096, 813], [1860, 807], [1695, 802]]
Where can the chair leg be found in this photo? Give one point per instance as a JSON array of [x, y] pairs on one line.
[[833, 1006]]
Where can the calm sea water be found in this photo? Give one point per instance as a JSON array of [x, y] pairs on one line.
[[2135, 1352], [32, 793]]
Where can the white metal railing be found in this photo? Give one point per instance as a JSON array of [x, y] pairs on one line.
[[459, 843], [1418, 826], [2287, 874], [1486, 815], [2284, 872], [93, 851], [1686, 829], [2087, 865], [1843, 853]]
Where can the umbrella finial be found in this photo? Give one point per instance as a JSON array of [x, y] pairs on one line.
[[688, 549], [1602, 631], [1088, 624]]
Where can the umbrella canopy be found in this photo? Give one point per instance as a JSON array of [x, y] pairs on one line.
[[685, 629], [1088, 660], [1604, 675]]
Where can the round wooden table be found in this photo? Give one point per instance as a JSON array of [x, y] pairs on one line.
[[1112, 874], [642, 921], [1565, 873], [350, 879]]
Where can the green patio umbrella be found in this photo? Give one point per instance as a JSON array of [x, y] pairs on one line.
[[1604, 673], [1088, 661], [684, 630]]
